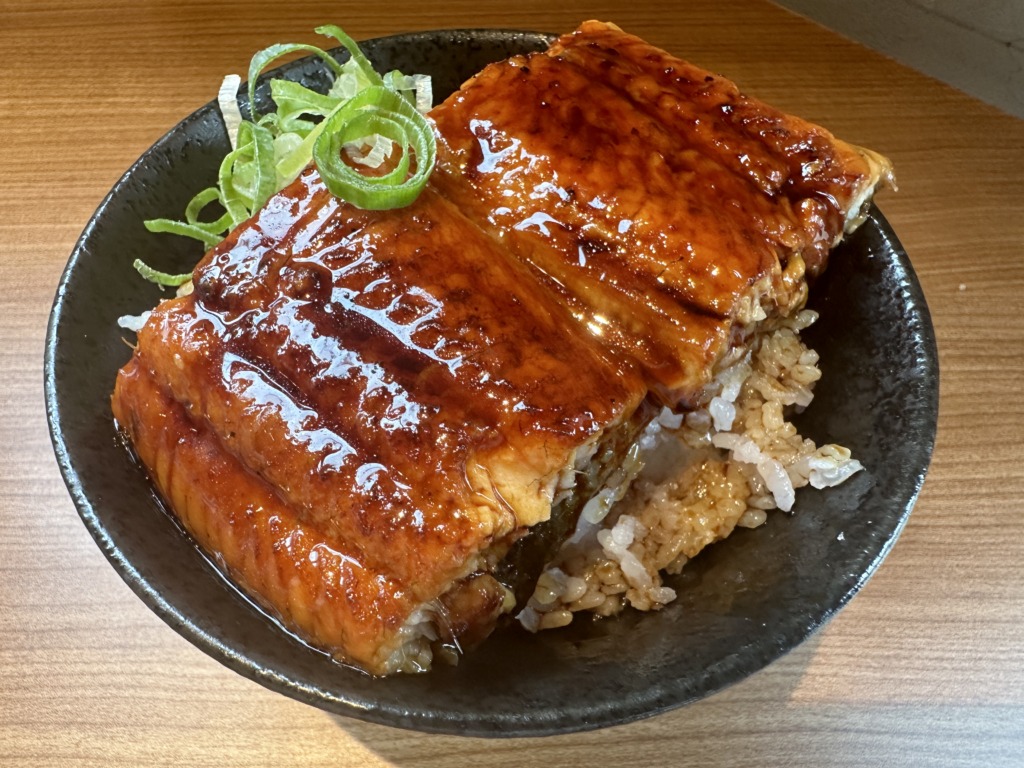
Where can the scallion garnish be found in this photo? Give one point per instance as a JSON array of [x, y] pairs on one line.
[[376, 111], [364, 115], [161, 278]]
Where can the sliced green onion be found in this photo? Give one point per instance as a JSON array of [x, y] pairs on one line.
[[247, 175], [377, 110], [424, 93], [291, 165], [281, 124], [348, 83], [378, 149], [265, 57], [227, 100], [361, 108], [294, 99], [196, 206], [357, 56], [171, 227], [160, 278]]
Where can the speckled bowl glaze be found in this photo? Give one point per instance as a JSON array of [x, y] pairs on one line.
[[741, 604]]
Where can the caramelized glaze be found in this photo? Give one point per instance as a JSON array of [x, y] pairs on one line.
[[404, 387], [358, 413], [650, 194], [317, 584]]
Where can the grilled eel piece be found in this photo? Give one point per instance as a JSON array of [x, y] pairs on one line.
[[668, 210], [361, 415], [386, 392]]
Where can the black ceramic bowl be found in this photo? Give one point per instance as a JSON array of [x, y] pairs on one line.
[[741, 604]]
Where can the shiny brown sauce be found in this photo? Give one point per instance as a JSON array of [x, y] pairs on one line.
[[650, 194], [361, 366], [354, 410]]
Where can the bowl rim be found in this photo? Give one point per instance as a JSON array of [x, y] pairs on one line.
[[655, 702]]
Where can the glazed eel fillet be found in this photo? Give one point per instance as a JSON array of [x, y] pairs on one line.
[[381, 424]]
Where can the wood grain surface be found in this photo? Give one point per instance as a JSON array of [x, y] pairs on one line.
[[924, 667]]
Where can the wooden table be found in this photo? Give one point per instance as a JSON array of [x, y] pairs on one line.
[[925, 666]]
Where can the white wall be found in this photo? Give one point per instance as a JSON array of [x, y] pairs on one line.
[[974, 45]]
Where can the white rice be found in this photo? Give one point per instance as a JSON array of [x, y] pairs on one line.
[[697, 477]]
